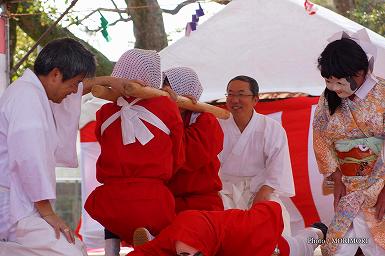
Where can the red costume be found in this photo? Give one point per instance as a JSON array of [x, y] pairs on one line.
[[196, 184], [134, 193], [254, 232]]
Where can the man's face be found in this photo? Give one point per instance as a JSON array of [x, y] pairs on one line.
[[344, 87], [240, 99], [58, 89]]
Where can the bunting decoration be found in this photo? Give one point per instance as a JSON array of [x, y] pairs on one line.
[[310, 8], [192, 26], [104, 25]]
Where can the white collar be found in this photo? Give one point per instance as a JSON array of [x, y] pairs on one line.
[[369, 83]]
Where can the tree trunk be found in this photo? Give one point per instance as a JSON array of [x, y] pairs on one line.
[[34, 27], [148, 24], [343, 6]]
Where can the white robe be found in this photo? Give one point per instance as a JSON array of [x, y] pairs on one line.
[[258, 156], [36, 135]]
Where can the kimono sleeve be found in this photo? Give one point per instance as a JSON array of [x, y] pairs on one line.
[[203, 141], [323, 146], [31, 160]]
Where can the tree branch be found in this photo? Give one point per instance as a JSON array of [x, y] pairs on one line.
[[42, 37], [179, 6], [97, 10], [109, 24]]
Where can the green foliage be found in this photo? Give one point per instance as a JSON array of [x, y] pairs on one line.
[[23, 44], [370, 14]]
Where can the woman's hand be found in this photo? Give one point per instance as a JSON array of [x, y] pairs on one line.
[[339, 187], [170, 91], [380, 205]]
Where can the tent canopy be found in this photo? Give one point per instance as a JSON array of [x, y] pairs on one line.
[[274, 41]]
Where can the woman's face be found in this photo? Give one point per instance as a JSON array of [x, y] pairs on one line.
[[344, 87]]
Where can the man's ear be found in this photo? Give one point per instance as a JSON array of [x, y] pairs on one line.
[[56, 75]]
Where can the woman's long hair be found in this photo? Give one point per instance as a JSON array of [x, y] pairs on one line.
[[341, 59]]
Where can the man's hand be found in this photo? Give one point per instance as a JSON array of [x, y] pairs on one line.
[[46, 212], [380, 205], [60, 226], [263, 194], [339, 187]]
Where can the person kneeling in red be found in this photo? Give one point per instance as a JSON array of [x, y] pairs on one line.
[[196, 184], [141, 147], [254, 232]]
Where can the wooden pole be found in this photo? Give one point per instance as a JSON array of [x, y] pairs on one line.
[[138, 91]]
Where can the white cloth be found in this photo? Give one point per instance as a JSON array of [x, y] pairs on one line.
[[30, 144], [258, 156], [359, 236], [139, 64], [237, 195], [303, 243], [34, 236], [260, 152], [184, 81], [131, 121]]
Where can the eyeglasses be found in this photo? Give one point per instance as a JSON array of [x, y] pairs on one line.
[[239, 95]]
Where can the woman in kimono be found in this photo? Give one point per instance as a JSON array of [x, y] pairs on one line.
[[348, 132], [255, 160], [196, 184], [141, 147], [254, 232]]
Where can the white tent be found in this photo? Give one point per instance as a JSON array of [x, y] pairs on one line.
[[274, 41]]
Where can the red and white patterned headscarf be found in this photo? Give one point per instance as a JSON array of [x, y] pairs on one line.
[[184, 81], [138, 64]]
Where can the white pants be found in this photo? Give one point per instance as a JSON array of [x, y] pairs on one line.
[[237, 195], [303, 244], [34, 236], [359, 229]]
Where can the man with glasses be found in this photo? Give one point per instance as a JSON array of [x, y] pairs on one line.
[[255, 161]]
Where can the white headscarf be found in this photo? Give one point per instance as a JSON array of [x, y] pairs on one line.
[[184, 81], [138, 64]]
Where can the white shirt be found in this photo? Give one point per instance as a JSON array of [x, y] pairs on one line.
[[36, 135], [260, 152]]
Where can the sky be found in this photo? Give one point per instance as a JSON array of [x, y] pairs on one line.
[[121, 33]]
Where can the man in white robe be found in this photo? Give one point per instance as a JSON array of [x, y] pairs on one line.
[[38, 129], [255, 161]]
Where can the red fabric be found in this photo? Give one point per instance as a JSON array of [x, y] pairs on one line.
[[297, 124], [2, 35], [196, 184], [283, 246], [87, 133], [255, 232], [133, 193]]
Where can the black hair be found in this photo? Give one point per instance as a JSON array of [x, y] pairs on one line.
[[342, 58], [254, 88], [69, 56]]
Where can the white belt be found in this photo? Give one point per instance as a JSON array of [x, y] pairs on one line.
[[132, 125]]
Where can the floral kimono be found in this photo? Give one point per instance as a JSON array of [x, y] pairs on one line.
[[357, 123]]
